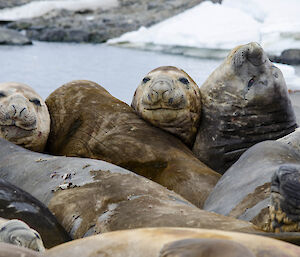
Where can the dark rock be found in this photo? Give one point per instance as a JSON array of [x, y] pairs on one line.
[[99, 25], [12, 37], [289, 56]]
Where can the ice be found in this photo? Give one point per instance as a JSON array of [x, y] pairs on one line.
[[289, 74], [275, 24], [204, 26], [39, 8]]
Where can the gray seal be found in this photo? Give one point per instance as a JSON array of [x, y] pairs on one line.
[[244, 101]]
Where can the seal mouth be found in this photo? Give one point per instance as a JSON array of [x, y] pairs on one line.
[[11, 132], [163, 108]]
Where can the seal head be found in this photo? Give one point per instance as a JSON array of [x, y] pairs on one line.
[[18, 233], [244, 101], [24, 117], [168, 98], [285, 200]]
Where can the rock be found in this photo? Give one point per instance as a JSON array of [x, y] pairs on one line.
[[288, 56], [12, 37], [99, 25]]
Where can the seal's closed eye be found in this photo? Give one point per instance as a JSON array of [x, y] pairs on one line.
[[146, 79], [184, 81], [250, 83], [2, 94], [36, 101]]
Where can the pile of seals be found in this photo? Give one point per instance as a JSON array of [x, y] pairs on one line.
[[155, 164]]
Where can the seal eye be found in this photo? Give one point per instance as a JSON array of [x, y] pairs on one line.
[[184, 81], [251, 82], [146, 79], [2, 94], [36, 101]]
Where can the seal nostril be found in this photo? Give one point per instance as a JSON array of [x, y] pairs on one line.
[[15, 111], [171, 100], [22, 111]]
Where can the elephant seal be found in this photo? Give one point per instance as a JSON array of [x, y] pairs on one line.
[[266, 178], [91, 196], [179, 242], [24, 117], [16, 251], [15, 203], [18, 233], [86, 121], [168, 98], [244, 101]]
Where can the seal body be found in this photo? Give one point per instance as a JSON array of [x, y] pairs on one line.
[[244, 101], [86, 121], [267, 179], [168, 98], [15, 203], [18, 233], [176, 242], [92, 196], [24, 117]]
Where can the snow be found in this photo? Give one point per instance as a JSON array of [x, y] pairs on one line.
[[291, 79], [275, 24], [39, 8], [202, 26]]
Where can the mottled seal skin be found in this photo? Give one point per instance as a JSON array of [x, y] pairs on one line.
[[86, 121], [9, 250], [171, 242], [15, 203], [24, 117], [168, 98], [18, 233], [267, 179], [92, 196], [244, 101]]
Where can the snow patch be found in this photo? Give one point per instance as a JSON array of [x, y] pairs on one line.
[[39, 8]]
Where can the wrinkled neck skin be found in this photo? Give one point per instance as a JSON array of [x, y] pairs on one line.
[[284, 210]]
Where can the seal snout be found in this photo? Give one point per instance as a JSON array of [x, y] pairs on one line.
[[19, 115], [255, 54], [160, 90]]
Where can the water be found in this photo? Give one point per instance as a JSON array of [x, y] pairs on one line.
[[47, 66]]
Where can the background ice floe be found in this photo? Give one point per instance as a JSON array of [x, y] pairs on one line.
[[211, 30], [275, 24], [39, 8]]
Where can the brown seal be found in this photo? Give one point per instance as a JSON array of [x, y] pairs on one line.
[[92, 196], [176, 242], [244, 101], [86, 121], [168, 98], [24, 117]]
